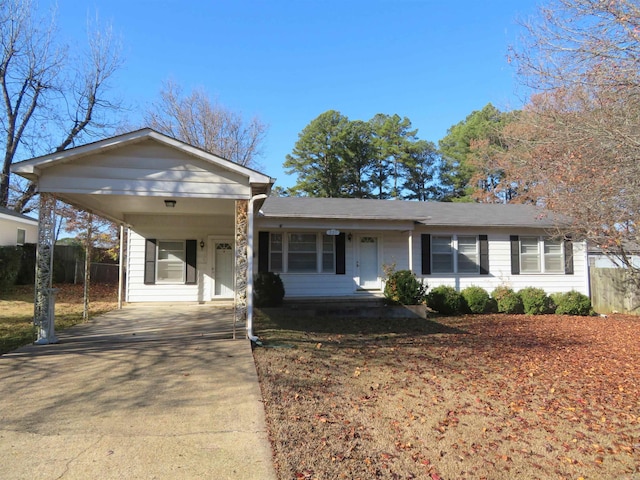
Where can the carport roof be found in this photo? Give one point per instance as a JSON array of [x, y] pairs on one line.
[[426, 213], [31, 168]]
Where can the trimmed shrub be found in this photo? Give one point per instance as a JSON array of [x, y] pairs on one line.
[[268, 290], [10, 258], [572, 303], [478, 300], [507, 300], [535, 301], [446, 300], [403, 287]]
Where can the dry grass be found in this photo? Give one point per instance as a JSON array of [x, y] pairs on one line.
[[494, 396], [16, 311]]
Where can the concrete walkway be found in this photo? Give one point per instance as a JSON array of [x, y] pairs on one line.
[[156, 392]]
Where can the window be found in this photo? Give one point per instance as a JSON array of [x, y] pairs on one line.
[[451, 254], [442, 254], [302, 253], [551, 260], [275, 253], [467, 255], [170, 267], [22, 234]]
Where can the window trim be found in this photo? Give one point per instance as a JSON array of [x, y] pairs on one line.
[[455, 254], [542, 256], [319, 253], [151, 259], [159, 261]]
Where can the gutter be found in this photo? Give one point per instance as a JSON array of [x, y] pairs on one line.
[[250, 334]]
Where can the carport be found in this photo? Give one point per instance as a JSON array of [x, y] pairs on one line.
[[187, 214]]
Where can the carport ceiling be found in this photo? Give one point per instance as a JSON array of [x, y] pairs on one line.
[[119, 208]]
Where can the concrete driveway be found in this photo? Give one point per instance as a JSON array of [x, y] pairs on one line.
[[147, 392]]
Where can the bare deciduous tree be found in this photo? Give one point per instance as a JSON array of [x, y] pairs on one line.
[[576, 145], [49, 98], [199, 121]]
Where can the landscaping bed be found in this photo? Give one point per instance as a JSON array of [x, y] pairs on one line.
[[477, 396]]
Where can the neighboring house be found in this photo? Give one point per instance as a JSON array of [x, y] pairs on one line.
[[186, 213], [599, 259], [17, 229]]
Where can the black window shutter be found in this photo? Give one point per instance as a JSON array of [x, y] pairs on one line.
[[340, 254], [150, 261], [484, 254], [191, 254], [426, 253], [263, 252], [568, 256], [515, 254]]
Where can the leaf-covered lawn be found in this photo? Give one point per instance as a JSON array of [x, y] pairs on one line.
[[16, 310], [490, 396]]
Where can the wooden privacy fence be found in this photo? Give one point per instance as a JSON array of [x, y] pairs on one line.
[[612, 291]]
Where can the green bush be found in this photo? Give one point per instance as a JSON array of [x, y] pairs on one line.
[[535, 301], [268, 290], [446, 300], [478, 300], [10, 258], [402, 287], [572, 303], [507, 300]]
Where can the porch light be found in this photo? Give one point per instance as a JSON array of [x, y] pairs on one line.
[[349, 236], [169, 203], [202, 244]]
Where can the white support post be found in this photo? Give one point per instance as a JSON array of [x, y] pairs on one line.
[[120, 266], [44, 305]]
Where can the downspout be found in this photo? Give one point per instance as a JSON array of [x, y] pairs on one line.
[[250, 334]]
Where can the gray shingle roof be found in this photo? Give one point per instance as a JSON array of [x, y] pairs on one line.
[[13, 213], [427, 213]]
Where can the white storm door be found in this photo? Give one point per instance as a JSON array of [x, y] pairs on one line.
[[222, 269], [367, 263]]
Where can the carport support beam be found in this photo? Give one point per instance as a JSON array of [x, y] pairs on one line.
[[43, 307]]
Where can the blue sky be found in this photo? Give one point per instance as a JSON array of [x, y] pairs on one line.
[[433, 61]]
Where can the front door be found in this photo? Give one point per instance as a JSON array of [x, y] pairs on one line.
[[367, 262], [222, 269]]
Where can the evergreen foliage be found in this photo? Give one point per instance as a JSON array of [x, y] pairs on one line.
[[403, 287], [446, 300], [572, 303], [268, 290], [535, 301], [507, 301], [10, 258], [478, 300]]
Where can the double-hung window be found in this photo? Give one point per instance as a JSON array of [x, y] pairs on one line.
[[302, 252], [541, 255], [170, 266], [22, 236], [455, 254]]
